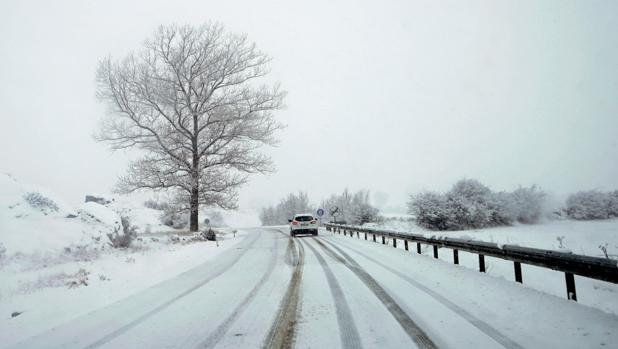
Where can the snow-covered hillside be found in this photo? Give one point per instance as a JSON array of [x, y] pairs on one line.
[[34, 221]]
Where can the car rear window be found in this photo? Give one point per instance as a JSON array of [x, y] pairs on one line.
[[303, 218]]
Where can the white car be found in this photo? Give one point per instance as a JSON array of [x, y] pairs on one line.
[[303, 223]]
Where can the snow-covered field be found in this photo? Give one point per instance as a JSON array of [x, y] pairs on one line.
[[580, 237]]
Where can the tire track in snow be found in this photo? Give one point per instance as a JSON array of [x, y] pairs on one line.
[[166, 304], [283, 328], [416, 334], [222, 329], [476, 322], [347, 328]]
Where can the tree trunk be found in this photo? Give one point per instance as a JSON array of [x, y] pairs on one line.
[[194, 218]]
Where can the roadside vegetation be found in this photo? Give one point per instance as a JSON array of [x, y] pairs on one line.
[[348, 208], [472, 205]]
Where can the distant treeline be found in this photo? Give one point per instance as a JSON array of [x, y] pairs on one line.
[[352, 208], [469, 204]]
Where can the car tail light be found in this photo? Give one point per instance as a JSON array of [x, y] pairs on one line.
[[295, 223]]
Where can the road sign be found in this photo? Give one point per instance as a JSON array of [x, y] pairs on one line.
[[320, 212]]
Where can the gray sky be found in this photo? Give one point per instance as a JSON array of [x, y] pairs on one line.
[[393, 96]]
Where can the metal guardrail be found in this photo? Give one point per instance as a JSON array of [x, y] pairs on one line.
[[571, 264]]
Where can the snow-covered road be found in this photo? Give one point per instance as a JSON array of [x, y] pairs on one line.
[[328, 292]]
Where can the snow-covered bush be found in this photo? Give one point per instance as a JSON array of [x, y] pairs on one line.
[[612, 209], [471, 205], [502, 208], [431, 211], [156, 205], [468, 201], [38, 201], [528, 204], [174, 217], [588, 205], [125, 238]]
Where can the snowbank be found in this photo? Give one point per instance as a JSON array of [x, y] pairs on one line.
[[32, 221]]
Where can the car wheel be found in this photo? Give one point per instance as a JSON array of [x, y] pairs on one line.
[[315, 232]]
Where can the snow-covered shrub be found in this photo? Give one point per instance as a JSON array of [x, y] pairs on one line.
[[588, 205], [124, 239], [156, 205], [528, 204], [471, 205], [468, 201], [80, 278], [612, 209], [502, 208], [40, 202], [431, 211], [174, 217]]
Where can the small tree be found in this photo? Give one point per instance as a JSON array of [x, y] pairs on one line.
[[190, 101]]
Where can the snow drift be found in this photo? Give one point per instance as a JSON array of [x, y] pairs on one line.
[[33, 220]]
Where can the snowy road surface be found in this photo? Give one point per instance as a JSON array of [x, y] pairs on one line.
[[328, 292]]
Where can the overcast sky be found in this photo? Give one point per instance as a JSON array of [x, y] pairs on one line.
[[392, 96]]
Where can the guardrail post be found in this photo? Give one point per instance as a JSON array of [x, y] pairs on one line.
[[482, 263], [570, 285], [358, 234], [383, 240], [418, 247], [456, 256], [518, 277], [435, 251], [374, 237], [405, 244], [365, 235], [394, 242]]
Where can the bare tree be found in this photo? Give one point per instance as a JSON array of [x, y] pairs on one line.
[[191, 101]]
